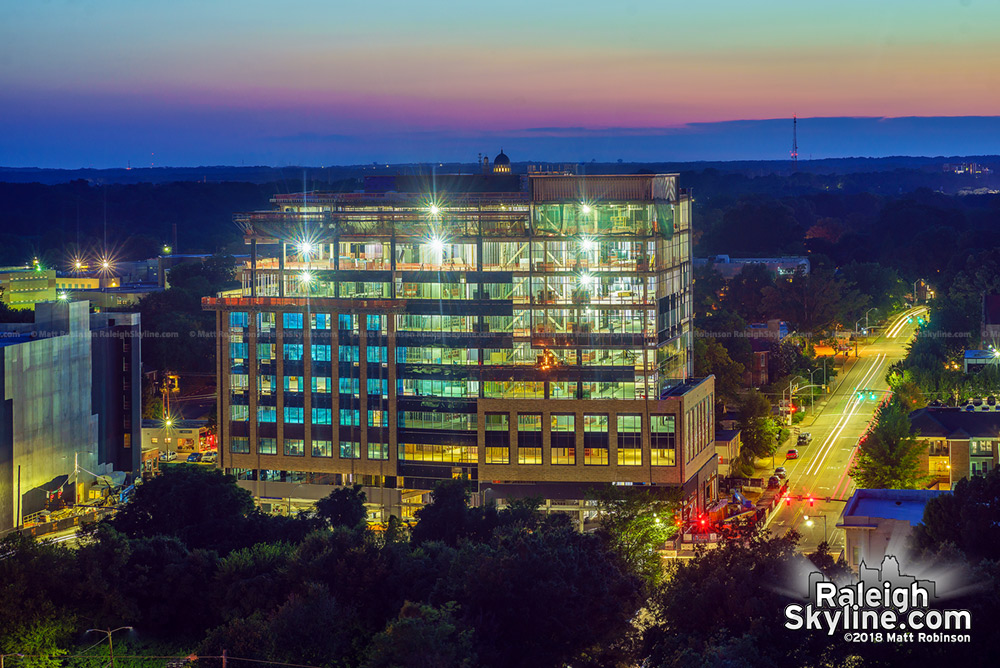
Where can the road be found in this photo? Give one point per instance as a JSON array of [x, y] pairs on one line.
[[821, 471]]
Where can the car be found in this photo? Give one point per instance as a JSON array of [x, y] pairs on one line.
[[209, 457], [774, 482], [194, 457], [168, 456], [805, 438], [792, 454], [780, 473]]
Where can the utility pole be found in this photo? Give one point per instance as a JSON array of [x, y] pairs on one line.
[[795, 142]]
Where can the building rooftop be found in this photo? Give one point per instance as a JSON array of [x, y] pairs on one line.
[[892, 504], [178, 424], [980, 355], [954, 423], [726, 434]]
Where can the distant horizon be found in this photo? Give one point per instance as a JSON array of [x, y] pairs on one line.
[[821, 138]]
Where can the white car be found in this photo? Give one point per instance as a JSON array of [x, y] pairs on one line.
[[168, 456]]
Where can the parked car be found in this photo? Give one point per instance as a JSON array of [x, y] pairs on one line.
[[780, 473], [792, 454], [805, 438], [194, 457], [774, 482], [168, 456], [209, 457]]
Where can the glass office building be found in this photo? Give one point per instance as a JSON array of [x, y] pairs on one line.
[[530, 332]]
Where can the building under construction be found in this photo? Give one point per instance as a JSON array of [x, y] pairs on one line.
[[531, 332]]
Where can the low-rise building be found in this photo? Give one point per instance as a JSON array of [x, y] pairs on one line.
[[23, 287], [174, 435], [878, 522], [977, 360], [728, 267], [727, 448], [960, 443]]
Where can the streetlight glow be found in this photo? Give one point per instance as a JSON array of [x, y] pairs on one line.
[[585, 208], [589, 244], [586, 279], [305, 277], [437, 245], [434, 210], [305, 248]]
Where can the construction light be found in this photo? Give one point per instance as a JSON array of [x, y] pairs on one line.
[[63, 296], [585, 208], [305, 277], [437, 245], [434, 209], [306, 248], [586, 279], [589, 244]]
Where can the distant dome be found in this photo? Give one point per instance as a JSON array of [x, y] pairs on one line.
[[501, 163]]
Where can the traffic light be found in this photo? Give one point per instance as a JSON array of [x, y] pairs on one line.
[[788, 501], [910, 319], [792, 408], [872, 395], [703, 523], [812, 502]]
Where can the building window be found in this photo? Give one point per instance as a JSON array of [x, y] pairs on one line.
[[265, 322], [497, 455], [350, 450], [563, 423], [267, 414], [378, 451], [375, 354], [293, 383], [455, 454], [268, 446], [348, 354], [291, 320], [294, 415], [320, 353], [663, 444], [265, 351], [981, 448], [239, 413], [322, 416], [629, 440], [347, 322], [378, 386], [293, 352], [322, 448], [320, 320], [239, 319], [295, 447], [374, 323], [564, 456], [377, 419], [529, 438], [350, 417], [321, 384]]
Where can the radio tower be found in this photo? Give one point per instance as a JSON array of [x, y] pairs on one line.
[[795, 142]]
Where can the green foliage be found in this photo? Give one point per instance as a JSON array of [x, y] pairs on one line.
[[708, 285], [968, 518], [725, 607], [636, 523], [34, 578], [880, 284], [746, 290], [711, 357], [814, 301], [758, 429], [343, 507], [423, 636], [889, 457]]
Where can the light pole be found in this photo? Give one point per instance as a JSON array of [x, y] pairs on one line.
[[6, 655], [810, 522], [111, 644], [873, 308]]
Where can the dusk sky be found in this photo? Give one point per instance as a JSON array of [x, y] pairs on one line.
[[197, 82]]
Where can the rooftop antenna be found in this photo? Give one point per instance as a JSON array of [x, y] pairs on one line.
[[795, 142]]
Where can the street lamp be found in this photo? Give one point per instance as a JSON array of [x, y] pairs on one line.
[[809, 523], [111, 644], [6, 655], [873, 308]]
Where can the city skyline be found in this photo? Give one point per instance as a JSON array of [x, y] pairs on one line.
[[104, 84]]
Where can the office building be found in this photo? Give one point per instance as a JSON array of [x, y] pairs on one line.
[[531, 332], [69, 402], [23, 287]]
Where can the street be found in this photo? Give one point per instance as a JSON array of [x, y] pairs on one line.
[[822, 470]]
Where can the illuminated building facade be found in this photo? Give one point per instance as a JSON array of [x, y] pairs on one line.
[[530, 332]]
